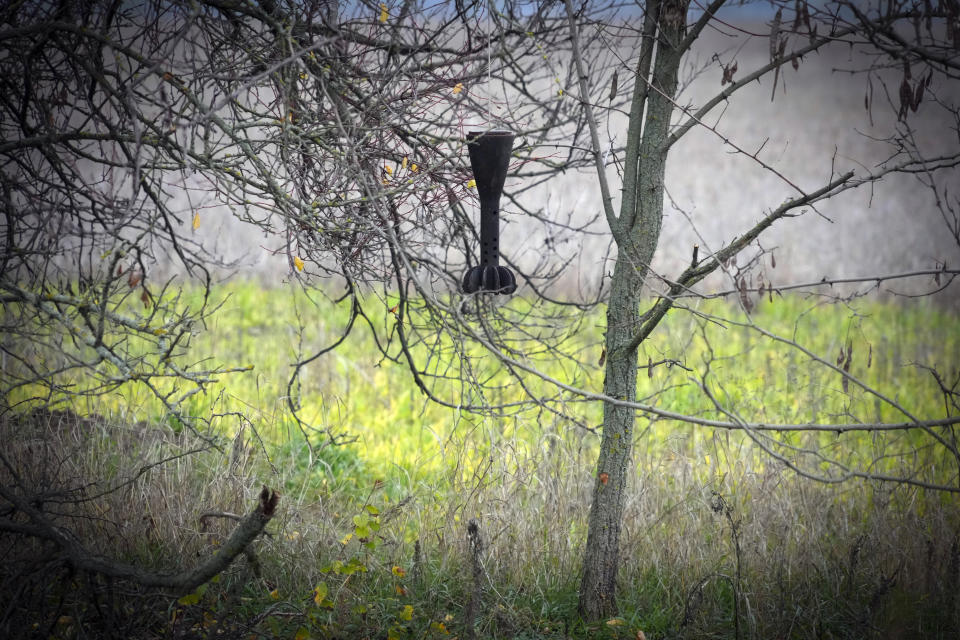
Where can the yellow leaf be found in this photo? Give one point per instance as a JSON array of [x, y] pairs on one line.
[[346, 538], [383, 12], [413, 167], [398, 571], [275, 594], [707, 459], [196, 220], [388, 169], [457, 88], [615, 622], [403, 165], [319, 593], [407, 613], [471, 184], [298, 263]]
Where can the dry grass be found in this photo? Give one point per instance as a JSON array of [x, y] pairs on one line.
[[814, 561]]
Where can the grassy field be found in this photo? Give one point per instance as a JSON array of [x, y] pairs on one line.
[[720, 539]]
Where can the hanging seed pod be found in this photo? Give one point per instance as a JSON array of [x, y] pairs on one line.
[[489, 159]]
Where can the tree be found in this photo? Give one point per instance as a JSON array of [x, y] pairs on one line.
[[636, 228], [337, 135], [338, 131], [126, 128]]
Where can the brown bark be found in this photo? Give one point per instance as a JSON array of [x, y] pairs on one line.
[[637, 235]]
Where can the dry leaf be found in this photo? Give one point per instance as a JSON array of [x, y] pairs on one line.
[[775, 34], [744, 296], [728, 72], [906, 98]]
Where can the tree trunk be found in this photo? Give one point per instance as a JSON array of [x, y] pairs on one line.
[[638, 232]]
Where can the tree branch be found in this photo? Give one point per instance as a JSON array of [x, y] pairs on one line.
[[605, 195], [80, 558]]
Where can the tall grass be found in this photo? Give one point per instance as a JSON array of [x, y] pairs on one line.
[[719, 539]]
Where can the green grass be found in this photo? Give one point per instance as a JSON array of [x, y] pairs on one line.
[[354, 390], [426, 470]]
